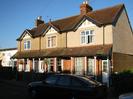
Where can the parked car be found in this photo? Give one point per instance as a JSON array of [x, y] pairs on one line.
[[67, 86], [126, 96]]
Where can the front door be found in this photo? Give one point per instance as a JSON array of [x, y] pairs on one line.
[[105, 71]]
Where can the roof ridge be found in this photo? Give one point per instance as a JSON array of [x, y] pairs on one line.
[[107, 8], [65, 18]]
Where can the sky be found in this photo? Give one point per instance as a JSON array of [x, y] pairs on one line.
[[18, 15]]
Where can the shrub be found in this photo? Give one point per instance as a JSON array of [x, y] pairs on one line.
[[122, 82]]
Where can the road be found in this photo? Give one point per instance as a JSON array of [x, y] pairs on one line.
[[13, 90]]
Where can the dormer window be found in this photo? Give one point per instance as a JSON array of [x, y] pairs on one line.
[[51, 42], [87, 37], [27, 44]]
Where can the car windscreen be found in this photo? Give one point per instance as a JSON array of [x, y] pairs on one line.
[[51, 79], [89, 81]]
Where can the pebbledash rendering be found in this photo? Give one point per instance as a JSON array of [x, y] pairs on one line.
[[95, 43]]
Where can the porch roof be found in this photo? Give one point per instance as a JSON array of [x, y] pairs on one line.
[[66, 52]]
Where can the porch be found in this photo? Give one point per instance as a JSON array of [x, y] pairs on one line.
[[94, 61]]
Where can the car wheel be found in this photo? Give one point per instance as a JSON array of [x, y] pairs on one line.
[[33, 94], [73, 97]]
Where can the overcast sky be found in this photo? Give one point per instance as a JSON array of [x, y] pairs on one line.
[[18, 15]]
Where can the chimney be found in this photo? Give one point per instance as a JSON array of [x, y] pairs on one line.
[[85, 8], [38, 21]]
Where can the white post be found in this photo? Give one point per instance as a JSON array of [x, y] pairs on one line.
[[95, 64], [85, 68], [23, 65], [33, 64], [62, 68], [55, 64], [39, 65], [108, 70], [27, 65]]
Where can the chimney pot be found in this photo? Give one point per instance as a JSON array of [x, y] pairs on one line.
[[38, 21], [39, 17], [85, 8]]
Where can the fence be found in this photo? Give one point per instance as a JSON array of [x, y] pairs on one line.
[[6, 73]]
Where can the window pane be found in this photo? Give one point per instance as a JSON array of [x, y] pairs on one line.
[[51, 79], [27, 44], [78, 65], [52, 41], [83, 33], [87, 32], [91, 32], [91, 66], [83, 39], [63, 81], [48, 41], [88, 39], [58, 64], [105, 66], [76, 83]]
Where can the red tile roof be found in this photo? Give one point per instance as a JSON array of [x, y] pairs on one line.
[[66, 52], [98, 17]]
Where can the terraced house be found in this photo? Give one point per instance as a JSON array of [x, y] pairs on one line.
[[95, 43]]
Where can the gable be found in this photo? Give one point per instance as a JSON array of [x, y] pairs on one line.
[[86, 23], [51, 30], [26, 36]]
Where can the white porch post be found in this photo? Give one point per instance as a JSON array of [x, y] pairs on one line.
[[27, 65], [85, 68], [95, 64], [39, 65], [108, 70], [23, 67], [62, 68], [33, 64], [55, 64]]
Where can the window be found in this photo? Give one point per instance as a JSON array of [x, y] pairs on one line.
[[52, 41], [59, 64], [63, 81], [50, 63], [51, 79], [105, 66], [76, 83], [27, 44], [87, 36], [90, 66], [79, 65]]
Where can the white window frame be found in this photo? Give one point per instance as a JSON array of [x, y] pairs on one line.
[[86, 38], [26, 46], [51, 41]]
